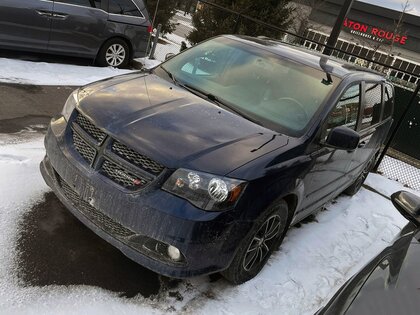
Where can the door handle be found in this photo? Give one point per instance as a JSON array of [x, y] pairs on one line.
[[362, 144], [46, 14], [60, 16]]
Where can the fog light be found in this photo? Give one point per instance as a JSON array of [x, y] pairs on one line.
[[174, 253]]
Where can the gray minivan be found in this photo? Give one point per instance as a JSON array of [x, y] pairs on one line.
[[111, 32]]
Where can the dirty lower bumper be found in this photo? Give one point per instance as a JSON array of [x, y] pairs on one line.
[[208, 241]]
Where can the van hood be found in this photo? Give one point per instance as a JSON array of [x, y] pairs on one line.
[[173, 126]]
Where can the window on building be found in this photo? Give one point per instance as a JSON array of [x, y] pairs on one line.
[[364, 52], [124, 7], [357, 50], [397, 63], [373, 101], [411, 67], [404, 65], [345, 47]]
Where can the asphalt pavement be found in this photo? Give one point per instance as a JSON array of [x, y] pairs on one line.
[[22, 106]]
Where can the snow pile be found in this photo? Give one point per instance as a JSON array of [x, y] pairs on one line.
[[148, 63], [314, 261], [42, 73]]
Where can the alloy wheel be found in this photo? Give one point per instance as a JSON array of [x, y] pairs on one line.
[[115, 55], [262, 242]]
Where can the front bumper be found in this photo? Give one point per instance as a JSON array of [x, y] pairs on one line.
[[208, 241]]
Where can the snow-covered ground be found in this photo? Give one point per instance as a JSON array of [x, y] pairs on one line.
[[42, 73], [315, 259], [171, 45]]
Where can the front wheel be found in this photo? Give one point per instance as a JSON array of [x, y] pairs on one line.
[[265, 236], [114, 53]]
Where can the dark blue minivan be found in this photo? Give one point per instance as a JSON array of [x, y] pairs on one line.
[[201, 164], [111, 32]]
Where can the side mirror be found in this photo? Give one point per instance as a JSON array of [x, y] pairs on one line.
[[408, 205], [343, 138], [169, 56]]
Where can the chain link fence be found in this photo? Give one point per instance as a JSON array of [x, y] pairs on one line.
[[401, 161], [195, 21]]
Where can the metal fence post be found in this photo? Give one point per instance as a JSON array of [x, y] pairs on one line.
[[155, 42], [335, 33], [398, 125], [236, 27]]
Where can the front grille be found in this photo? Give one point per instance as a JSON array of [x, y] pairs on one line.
[[106, 156], [95, 216], [122, 176], [84, 149], [136, 158], [90, 128]]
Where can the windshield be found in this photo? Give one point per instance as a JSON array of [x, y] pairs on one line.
[[280, 94]]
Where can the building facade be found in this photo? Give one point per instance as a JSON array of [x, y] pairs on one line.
[[369, 32]]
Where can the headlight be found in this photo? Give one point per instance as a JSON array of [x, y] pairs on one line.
[[205, 191], [74, 99], [70, 105]]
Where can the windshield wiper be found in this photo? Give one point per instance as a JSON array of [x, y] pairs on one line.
[[170, 75]]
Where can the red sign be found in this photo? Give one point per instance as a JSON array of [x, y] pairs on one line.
[[373, 33]]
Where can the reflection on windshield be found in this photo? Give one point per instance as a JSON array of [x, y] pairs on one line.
[[281, 94]]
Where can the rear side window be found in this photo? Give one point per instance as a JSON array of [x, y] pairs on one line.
[[124, 7], [346, 111], [389, 101], [84, 3], [373, 101]]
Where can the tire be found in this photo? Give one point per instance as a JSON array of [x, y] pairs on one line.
[[259, 244], [114, 53], [355, 187]]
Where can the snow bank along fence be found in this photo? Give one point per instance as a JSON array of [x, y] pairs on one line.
[[400, 159]]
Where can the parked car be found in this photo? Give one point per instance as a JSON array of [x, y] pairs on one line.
[[111, 32], [389, 283], [201, 164]]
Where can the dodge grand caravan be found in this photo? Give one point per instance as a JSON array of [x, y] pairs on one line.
[[201, 164], [110, 31]]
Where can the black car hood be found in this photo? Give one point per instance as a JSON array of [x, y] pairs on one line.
[[389, 284], [174, 126], [392, 288]]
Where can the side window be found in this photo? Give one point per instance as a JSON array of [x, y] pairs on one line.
[[124, 7], [84, 3], [346, 111], [389, 101], [373, 101]]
